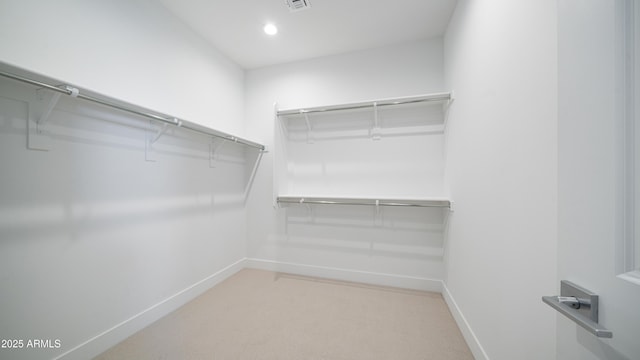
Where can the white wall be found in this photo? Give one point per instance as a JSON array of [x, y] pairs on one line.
[[501, 61], [336, 239], [94, 241], [345, 154], [130, 50]]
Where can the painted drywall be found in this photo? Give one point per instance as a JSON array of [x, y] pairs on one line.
[[501, 61], [135, 51], [96, 242], [591, 176], [346, 154], [345, 241]]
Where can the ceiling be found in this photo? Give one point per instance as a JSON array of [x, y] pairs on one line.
[[329, 27]]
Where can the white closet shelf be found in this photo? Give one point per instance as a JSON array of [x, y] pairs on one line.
[[436, 98], [122, 106], [402, 202]]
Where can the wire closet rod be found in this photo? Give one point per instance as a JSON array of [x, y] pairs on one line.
[[437, 97], [360, 201], [65, 89]]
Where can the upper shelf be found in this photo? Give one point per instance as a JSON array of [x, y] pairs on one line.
[[415, 202], [436, 98], [132, 109]]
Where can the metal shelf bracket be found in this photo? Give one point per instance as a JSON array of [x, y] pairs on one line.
[[39, 114], [159, 134], [375, 131], [153, 137], [36, 117], [377, 217], [214, 150], [309, 128], [46, 110]]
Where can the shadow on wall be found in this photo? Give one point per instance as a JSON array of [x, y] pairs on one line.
[[101, 226], [412, 233], [100, 170]]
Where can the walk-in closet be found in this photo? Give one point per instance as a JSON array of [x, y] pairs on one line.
[[319, 179]]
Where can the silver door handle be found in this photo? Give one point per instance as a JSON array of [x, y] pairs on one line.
[[574, 302], [580, 305]]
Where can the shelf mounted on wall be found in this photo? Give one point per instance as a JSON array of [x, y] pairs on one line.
[[37, 122], [443, 98], [361, 201], [281, 196], [437, 98]]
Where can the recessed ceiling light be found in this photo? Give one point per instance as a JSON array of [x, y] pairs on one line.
[[270, 29]]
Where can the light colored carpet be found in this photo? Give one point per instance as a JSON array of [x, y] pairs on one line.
[[264, 315]]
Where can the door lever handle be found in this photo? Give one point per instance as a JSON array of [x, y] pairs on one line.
[[574, 302], [580, 305]]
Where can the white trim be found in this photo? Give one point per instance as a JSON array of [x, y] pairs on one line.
[[468, 334], [627, 103], [109, 338], [631, 276], [400, 281], [101, 342]]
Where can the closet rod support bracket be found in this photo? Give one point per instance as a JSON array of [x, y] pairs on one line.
[[40, 113], [309, 129], [445, 105], [159, 134], [214, 150], [375, 130], [47, 109]]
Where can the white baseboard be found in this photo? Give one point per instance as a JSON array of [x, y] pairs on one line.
[[100, 343], [407, 282], [468, 334]]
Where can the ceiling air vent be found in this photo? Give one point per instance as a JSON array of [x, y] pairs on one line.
[[297, 5]]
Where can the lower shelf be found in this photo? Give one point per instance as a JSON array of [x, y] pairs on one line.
[[435, 202]]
